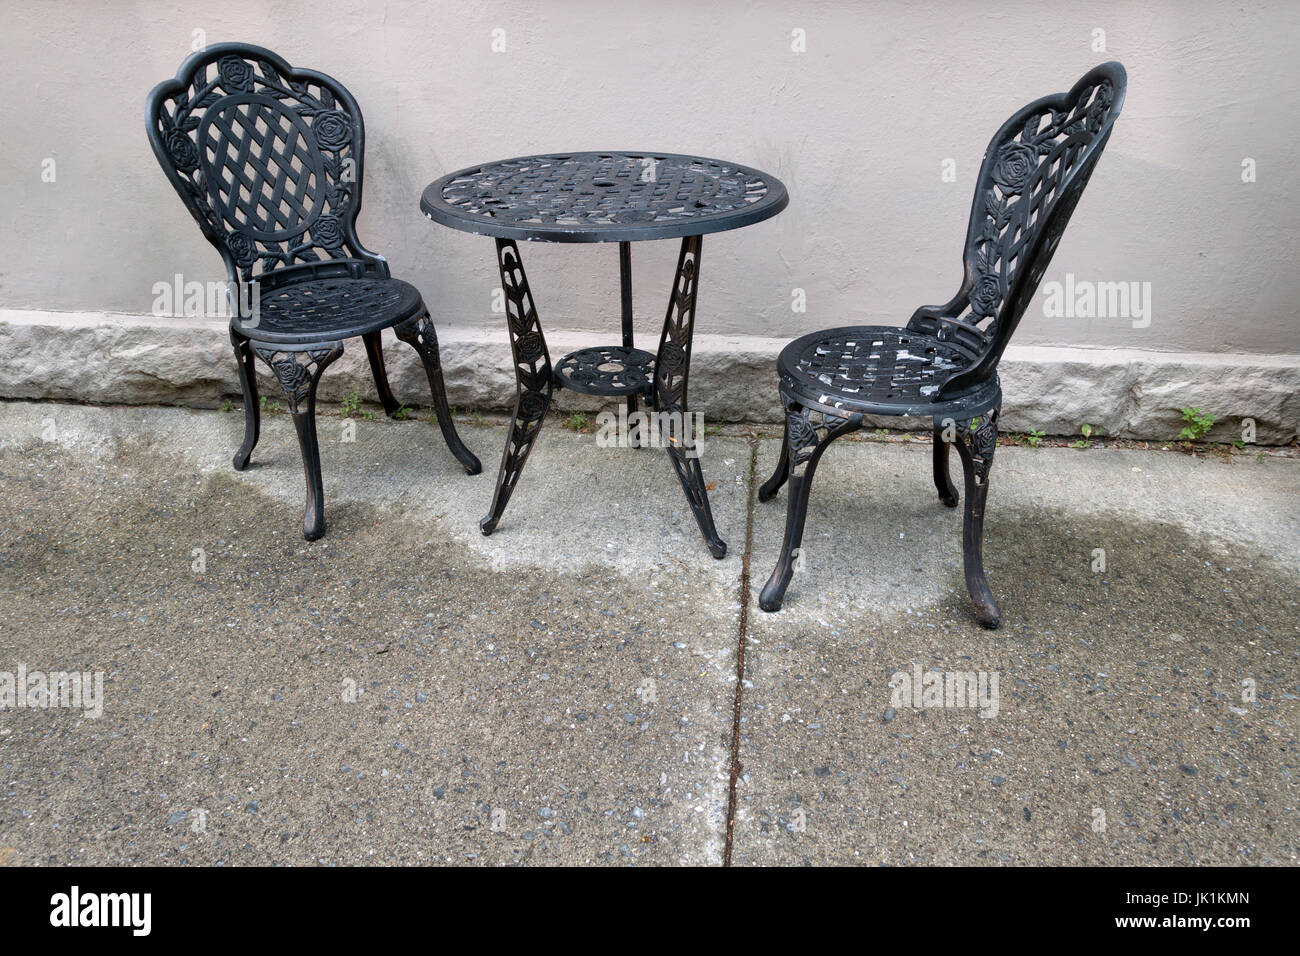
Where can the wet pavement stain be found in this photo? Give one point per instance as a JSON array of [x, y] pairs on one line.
[[504, 716], [494, 717], [1126, 732]]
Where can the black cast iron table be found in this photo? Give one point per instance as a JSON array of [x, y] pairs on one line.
[[604, 197]]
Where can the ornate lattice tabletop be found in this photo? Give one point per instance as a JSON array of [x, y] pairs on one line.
[[605, 197]]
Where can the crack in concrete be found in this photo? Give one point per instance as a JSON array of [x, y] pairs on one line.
[[740, 650]]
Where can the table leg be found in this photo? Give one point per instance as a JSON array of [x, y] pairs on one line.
[[533, 384], [672, 366]]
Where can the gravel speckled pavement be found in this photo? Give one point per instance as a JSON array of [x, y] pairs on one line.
[[567, 690]]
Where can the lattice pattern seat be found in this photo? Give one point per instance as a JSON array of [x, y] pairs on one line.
[[331, 308], [268, 161], [944, 364], [864, 366]]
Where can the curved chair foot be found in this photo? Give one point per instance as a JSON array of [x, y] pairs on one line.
[[806, 440], [420, 335], [770, 487], [976, 447], [252, 411], [299, 373], [987, 611], [375, 352], [942, 479], [467, 458], [773, 594]]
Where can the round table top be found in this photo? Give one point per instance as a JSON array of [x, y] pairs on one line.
[[603, 197]]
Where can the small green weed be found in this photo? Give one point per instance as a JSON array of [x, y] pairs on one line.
[[1195, 424]]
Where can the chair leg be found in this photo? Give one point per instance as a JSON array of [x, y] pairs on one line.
[[252, 411], [298, 373], [805, 441], [375, 352], [420, 335], [976, 446], [770, 487], [942, 479]]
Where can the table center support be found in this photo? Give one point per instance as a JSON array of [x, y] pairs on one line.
[[535, 380], [625, 289]]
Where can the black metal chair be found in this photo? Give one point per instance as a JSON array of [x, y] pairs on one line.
[[943, 365], [268, 161]]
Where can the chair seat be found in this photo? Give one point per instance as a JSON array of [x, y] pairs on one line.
[[331, 308], [876, 370]]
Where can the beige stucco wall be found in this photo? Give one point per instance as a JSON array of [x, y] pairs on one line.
[[858, 127]]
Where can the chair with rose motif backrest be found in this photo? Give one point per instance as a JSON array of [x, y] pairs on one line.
[[268, 159], [943, 364]]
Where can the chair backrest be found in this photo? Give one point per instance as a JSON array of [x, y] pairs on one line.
[[1034, 171], [267, 159]]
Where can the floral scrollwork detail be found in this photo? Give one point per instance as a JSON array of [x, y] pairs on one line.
[[182, 151], [236, 74], [1100, 106], [333, 129], [1016, 163], [419, 333], [530, 347], [298, 372], [327, 231], [802, 432], [807, 429], [674, 356], [985, 294], [981, 436], [242, 248]]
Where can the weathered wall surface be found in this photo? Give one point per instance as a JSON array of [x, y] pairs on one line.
[[862, 127]]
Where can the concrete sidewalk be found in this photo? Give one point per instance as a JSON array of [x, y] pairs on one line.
[[589, 686]]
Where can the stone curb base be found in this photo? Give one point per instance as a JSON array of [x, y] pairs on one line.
[[131, 359]]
